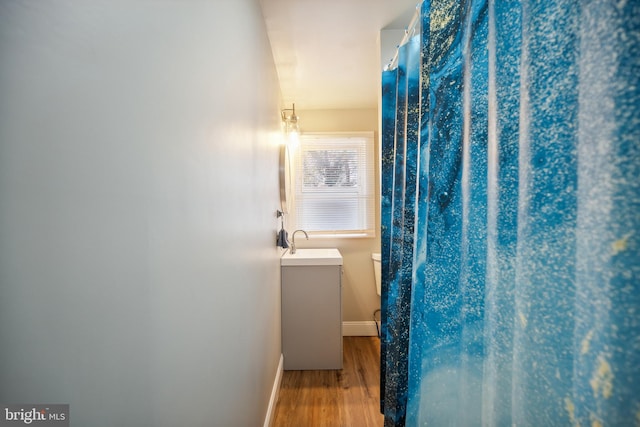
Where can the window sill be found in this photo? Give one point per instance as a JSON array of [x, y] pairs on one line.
[[352, 235]]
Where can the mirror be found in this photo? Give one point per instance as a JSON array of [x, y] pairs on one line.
[[285, 179]]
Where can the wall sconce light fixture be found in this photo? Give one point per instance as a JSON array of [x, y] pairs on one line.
[[291, 125]]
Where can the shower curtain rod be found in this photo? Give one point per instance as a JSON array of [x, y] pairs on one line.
[[408, 33]]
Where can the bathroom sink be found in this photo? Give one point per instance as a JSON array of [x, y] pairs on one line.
[[307, 256]]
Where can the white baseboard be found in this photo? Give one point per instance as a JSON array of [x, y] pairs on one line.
[[363, 328], [274, 394]]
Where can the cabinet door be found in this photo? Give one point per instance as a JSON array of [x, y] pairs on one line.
[[312, 317]]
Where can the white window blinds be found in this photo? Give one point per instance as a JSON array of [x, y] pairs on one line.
[[335, 184]]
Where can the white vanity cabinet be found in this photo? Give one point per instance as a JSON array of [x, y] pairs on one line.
[[312, 309]]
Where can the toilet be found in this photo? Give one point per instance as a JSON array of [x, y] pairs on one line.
[[376, 271]]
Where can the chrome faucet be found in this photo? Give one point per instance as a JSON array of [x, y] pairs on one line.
[[293, 240]]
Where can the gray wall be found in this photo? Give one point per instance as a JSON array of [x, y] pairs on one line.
[[139, 279]]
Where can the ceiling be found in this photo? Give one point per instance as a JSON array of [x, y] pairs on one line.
[[327, 52]]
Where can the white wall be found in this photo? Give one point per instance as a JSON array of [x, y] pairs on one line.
[[139, 278], [359, 297]]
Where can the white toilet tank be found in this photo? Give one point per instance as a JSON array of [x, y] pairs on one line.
[[376, 271]]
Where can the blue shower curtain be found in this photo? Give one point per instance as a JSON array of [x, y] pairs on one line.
[[511, 216]]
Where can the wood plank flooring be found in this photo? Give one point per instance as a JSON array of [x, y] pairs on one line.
[[334, 398]]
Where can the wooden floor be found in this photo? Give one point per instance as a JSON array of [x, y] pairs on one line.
[[346, 398]]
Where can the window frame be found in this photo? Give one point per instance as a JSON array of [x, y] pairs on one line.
[[365, 199]]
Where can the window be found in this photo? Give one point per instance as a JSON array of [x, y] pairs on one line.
[[334, 184]]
